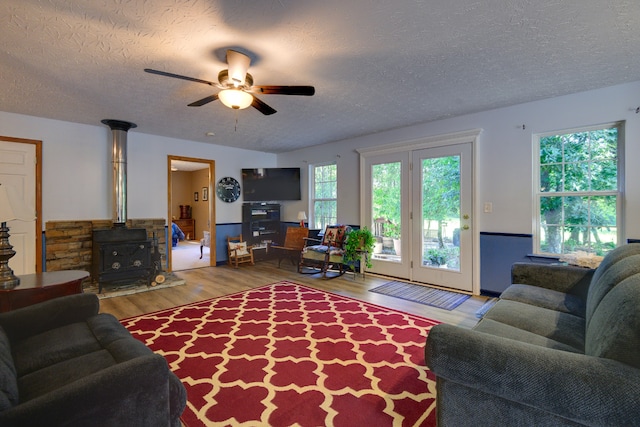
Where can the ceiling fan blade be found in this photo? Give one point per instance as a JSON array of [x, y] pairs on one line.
[[178, 76], [204, 101], [262, 107], [284, 90], [238, 66]]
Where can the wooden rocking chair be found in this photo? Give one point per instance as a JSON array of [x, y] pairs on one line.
[[238, 252], [327, 254]]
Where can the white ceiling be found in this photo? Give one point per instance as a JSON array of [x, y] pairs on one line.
[[375, 65]]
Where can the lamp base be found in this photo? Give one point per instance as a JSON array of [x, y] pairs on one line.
[[7, 279], [9, 282]]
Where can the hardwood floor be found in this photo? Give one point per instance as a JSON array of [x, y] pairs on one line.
[[210, 282]]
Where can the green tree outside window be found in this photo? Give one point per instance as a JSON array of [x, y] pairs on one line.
[[578, 191]]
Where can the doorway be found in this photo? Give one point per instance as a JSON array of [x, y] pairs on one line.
[[21, 167], [418, 200], [191, 210]]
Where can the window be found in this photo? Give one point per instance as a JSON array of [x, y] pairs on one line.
[[579, 194], [324, 206]]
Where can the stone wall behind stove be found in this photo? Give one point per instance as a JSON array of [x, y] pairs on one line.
[[69, 244]]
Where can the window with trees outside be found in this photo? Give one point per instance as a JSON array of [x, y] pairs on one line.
[[579, 194], [324, 205]]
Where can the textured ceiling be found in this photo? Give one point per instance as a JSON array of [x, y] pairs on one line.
[[375, 65]]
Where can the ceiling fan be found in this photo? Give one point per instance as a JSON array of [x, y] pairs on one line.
[[238, 91]]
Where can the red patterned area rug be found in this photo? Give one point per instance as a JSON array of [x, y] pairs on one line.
[[290, 355]]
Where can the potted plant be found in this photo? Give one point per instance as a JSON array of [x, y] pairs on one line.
[[358, 241], [437, 256]]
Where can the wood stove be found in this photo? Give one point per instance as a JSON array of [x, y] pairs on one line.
[[122, 255]]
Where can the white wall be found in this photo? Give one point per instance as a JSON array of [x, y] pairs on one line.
[[76, 169], [504, 154], [77, 161]]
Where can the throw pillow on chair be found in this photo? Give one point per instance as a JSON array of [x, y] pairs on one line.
[[240, 248]]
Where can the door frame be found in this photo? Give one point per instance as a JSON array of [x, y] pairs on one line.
[[211, 202], [38, 194], [464, 137]]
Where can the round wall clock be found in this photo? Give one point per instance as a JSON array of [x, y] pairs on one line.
[[228, 189]]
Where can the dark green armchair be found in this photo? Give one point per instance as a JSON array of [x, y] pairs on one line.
[[63, 364]]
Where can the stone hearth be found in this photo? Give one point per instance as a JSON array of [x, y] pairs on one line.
[[69, 244]]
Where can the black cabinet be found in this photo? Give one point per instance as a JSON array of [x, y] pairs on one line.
[[260, 222]]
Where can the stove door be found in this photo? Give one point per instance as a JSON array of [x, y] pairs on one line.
[[124, 260]]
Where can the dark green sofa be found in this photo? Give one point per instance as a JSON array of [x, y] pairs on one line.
[[63, 364], [560, 348]]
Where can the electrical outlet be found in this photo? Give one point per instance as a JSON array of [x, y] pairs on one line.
[[488, 207]]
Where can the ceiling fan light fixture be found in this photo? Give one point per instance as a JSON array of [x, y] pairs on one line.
[[235, 98]]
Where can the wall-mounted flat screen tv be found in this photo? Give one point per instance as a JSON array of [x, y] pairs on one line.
[[271, 184]]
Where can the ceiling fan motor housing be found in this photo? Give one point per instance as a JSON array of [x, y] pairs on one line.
[[225, 81]]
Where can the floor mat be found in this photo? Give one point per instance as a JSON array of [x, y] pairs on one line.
[[486, 307], [439, 298]]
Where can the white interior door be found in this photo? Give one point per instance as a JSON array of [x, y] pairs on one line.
[[18, 169]]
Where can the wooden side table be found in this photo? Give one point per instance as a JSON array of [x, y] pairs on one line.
[[35, 288]]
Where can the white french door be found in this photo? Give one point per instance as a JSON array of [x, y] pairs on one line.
[[418, 201], [442, 208], [387, 205]]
